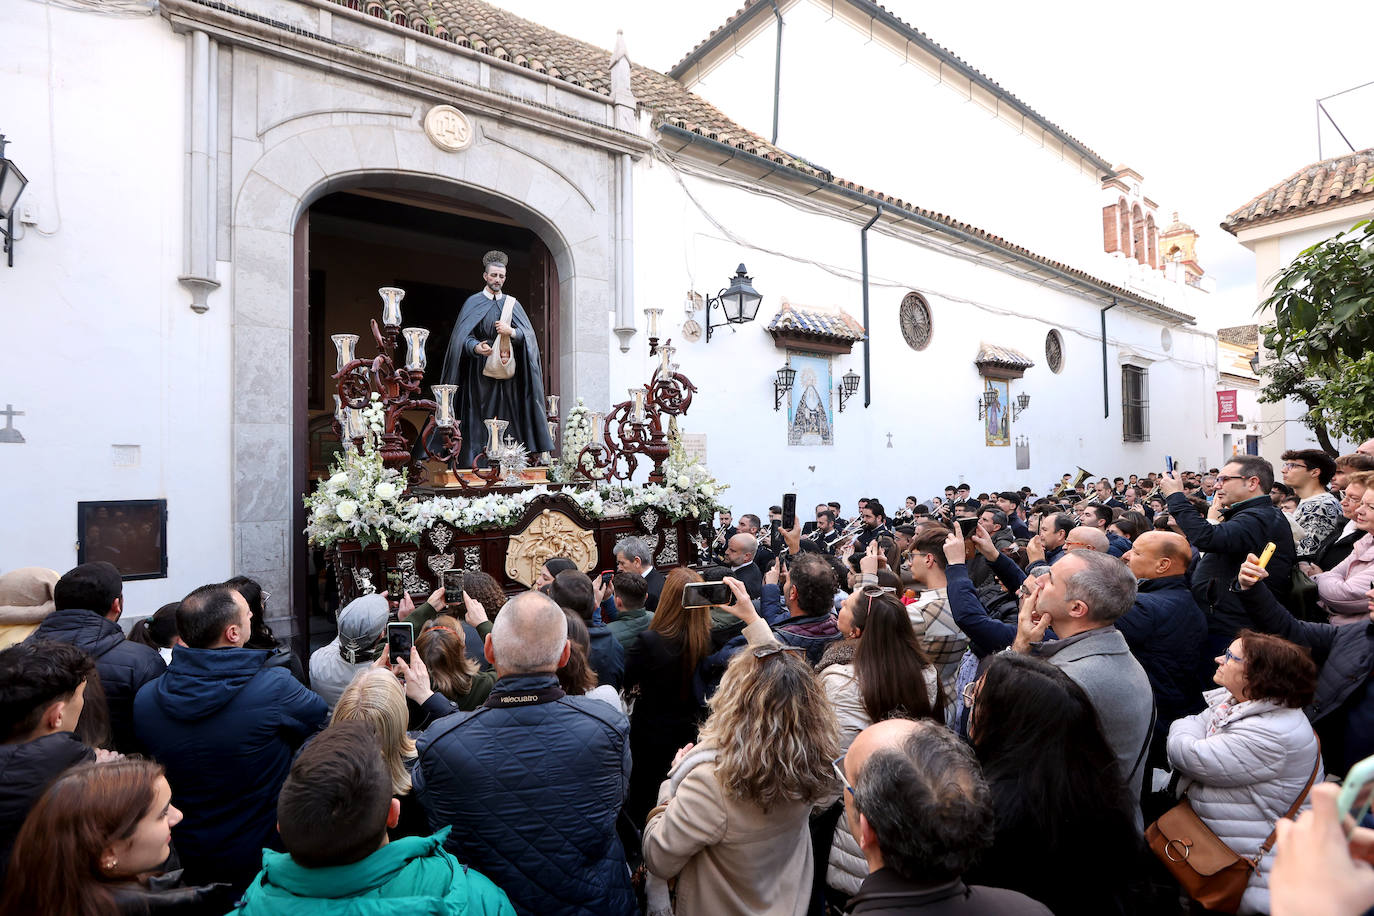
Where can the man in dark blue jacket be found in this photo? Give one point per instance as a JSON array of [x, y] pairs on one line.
[[1165, 628], [533, 780], [225, 725], [1249, 520], [88, 601]]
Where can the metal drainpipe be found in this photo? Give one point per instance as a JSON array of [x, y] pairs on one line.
[[777, 72], [863, 250], [1106, 402]]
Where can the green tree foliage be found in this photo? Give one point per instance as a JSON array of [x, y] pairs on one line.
[[1322, 338]]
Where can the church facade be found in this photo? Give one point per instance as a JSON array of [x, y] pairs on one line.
[[217, 188]]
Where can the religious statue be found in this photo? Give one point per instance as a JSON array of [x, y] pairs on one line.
[[497, 389]]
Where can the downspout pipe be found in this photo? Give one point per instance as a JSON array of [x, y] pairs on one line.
[[777, 72], [868, 337], [1106, 400]]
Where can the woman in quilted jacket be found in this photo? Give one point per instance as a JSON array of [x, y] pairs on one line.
[[1246, 759]]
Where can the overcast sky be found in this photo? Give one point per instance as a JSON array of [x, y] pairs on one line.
[[1217, 100]]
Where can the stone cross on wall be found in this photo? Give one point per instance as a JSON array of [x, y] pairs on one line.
[[9, 433], [889, 440]]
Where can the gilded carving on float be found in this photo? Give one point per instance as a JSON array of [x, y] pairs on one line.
[[549, 534]]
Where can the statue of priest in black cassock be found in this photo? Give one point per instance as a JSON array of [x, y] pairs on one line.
[[520, 398]]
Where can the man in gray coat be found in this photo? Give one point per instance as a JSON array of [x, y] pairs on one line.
[[1081, 597]]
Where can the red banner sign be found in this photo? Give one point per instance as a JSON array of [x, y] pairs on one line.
[[1226, 407]]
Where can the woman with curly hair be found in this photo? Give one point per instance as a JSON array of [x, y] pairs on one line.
[[732, 824], [452, 671], [92, 846]]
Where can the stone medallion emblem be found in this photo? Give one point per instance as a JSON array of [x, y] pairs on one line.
[[448, 128], [549, 534]]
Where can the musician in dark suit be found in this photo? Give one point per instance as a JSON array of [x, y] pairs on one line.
[[826, 532], [763, 554], [811, 526], [739, 557]]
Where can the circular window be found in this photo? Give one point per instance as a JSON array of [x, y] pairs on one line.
[[915, 320], [1166, 340], [1054, 351]]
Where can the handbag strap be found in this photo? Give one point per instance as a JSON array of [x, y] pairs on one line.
[[1273, 835]]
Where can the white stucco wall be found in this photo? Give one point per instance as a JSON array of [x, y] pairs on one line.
[[103, 348], [927, 400]]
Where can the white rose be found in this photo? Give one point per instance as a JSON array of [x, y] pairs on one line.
[[683, 481], [338, 480], [346, 509], [694, 511], [708, 490], [385, 491]]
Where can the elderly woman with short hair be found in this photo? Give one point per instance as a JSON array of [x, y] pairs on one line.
[[1247, 758]]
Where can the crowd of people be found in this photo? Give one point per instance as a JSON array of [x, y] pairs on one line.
[[990, 703]]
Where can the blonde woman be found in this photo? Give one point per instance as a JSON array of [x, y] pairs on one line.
[[377, 698], [732, 823]]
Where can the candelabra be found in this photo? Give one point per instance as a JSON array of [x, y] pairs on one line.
[[636, 427]]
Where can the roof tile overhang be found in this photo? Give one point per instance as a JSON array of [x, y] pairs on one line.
[[828, 331], [1322, 185], [1001, 362]]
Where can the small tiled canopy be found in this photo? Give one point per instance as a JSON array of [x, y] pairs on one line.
[[1001, 362], [827, 332]]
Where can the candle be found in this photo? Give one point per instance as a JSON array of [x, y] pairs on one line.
[[637, 399], [443, 404], [344, 344], [495, 428], [597, 435], [665, 355], [339, 411], [553, 404], [391, 305], [653, 316], [415, 348]]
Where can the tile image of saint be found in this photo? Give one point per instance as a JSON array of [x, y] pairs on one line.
[[811, 418]]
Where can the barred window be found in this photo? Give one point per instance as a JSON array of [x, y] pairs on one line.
[[1135, 404]]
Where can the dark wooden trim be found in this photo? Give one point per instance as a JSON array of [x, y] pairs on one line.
[[793, 340]]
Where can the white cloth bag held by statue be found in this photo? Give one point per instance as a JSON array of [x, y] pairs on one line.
[[498, 365]]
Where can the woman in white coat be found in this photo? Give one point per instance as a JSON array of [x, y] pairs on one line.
[[1246, 759], [878, 672]]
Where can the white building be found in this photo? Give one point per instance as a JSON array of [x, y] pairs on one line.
[[1309, 206], [215, 188]]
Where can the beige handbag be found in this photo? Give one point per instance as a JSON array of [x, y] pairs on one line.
[[498, 366]]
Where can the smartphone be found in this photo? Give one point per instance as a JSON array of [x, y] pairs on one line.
[[1169, 463], [1357, 790], [395, 584], [453, 587], [789, 511], [400, 637], [967, 526], [1268, 552], [707, 594], [607, 576]]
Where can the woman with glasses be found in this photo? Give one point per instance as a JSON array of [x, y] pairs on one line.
[[877, 672], [732, 823], [1056, 788], [1247, 758], [1343, 588]]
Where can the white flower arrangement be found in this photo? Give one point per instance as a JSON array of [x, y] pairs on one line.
[[361, 499], [577, 432]]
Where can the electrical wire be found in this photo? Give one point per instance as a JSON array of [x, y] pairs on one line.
[[941, 247]]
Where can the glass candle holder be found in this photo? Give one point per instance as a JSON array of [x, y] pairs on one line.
[[496, 429], [339, 411], [653, 314], [597, 440], [552, 400], [355, 428], [665, 357], [415, 348], [391, 305], [637, 405], [345, 344], [443, 404]]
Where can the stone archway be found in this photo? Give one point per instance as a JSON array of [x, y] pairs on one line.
[[569, 212]]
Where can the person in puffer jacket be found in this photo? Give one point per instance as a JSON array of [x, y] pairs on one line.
[[225, 724], [89, 600], [532, 781], [1246, 759]]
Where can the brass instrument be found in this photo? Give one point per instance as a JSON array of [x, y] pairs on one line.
[[1076, 485]]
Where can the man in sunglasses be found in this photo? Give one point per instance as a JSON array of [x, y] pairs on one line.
[[1248, 522]]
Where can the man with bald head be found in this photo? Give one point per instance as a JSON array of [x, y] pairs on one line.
[[1166, 629], [1366, 447], [916, 803], [532, 781], [739, 557], [1086, 538]]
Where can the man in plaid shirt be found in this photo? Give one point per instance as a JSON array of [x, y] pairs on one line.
[[931, 618]]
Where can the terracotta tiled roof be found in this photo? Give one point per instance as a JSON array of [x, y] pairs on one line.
[[920, 38], [1320, 186], [1245, 335], [993, 355], [490, 30], [836, 325]]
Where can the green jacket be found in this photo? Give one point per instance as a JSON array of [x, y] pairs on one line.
[[629, 625], [413, 876]]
